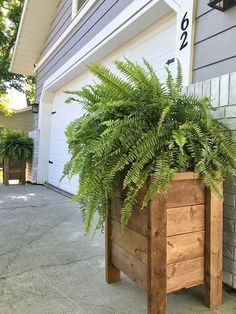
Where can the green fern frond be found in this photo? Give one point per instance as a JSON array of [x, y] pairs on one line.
[[179, 77], [107, 77], [171, 85], [137, 133]]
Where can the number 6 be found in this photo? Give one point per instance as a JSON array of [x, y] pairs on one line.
[[185, 22]]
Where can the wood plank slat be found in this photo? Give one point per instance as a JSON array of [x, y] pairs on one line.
[[186, 193], [186, 176], [186, 190], [129, 240], [185, 247], [138, 220], [214, 248], [185, 219], [185, 274], [129, 265]]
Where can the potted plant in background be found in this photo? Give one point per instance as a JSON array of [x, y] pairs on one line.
[[151, 163], [15, 149]]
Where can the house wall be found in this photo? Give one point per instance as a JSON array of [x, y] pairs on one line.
[[99, 16], [60, 23], [222, 91], [32, 166], [21, 121], [215, 42]]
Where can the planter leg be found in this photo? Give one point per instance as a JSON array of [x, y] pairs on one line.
[[22, 176], [112, 272], [6, 172], [214, 240], [157, 258]]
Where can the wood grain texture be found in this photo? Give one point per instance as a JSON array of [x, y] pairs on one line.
[[179, 247], [185, 219], [112, 272], [185, 274], [179, 220], [130, 240], [138, 220], [157, 257], [186, 176], [186, 190], [186, 193], [214, 250], [185, 247], [179, 275], [131, 266]]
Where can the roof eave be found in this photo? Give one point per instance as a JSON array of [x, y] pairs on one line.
[[36, 19]]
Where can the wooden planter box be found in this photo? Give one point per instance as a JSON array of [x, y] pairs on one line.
[[13, 170], [174, 244]]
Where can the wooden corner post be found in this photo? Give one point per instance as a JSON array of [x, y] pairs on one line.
[[214, 248], [6, 171], [22, 174], [157, 257], [112, 272]]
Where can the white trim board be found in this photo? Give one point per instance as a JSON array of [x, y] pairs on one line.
[[185, 38], [76, 9], [174, 4], [19, 31]]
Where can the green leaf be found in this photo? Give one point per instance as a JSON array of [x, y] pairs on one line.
[[180, 139]]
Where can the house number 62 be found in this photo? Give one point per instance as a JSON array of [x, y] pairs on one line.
[[184, 35]]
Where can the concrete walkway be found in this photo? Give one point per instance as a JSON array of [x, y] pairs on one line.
[[47, 265]]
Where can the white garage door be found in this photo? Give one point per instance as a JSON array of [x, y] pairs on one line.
[[62, 115], [156, 45]]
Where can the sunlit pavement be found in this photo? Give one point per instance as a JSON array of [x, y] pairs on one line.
[[48, 265]]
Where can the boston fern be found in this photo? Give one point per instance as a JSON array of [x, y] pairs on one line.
[[135, 129], [15, 145]]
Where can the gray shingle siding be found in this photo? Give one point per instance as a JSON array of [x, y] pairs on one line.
[[101, 14], [59, 24], [215, 42]]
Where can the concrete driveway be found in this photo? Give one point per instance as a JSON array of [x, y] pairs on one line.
[[48, 265]]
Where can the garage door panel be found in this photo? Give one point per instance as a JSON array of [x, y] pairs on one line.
[[58, 146], [59, 155], [70, 186], [60, 163]]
